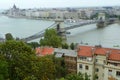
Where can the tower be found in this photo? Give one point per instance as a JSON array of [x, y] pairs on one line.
[[14, 6], [60, 28], [101, 16]]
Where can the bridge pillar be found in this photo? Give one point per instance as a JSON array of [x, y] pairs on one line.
[[101, 18], [61, 29]]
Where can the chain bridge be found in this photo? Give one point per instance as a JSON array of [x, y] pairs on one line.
[[60, 28]]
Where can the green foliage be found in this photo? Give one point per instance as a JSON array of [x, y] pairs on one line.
[[119, 17], [51, 39], [22, 63], [46, 69], [18, 56], [72, 46], [65, 46], [62, 79], [9, 36], [33, 44], [86, 77], [94, 16], [3, 68], [30, 78], [60, 67], [78, 76]]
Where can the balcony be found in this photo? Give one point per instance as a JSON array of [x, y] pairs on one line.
[[85, 60], [111, 65]]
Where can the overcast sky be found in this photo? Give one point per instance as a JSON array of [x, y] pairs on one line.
[[5, 4]]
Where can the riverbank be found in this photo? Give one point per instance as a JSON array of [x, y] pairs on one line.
[[32, 18]]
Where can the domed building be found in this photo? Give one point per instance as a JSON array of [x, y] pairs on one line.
[[14, 11]]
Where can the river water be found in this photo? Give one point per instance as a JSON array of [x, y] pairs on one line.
[[89, 34]]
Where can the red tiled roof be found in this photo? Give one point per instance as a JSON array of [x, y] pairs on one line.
[[114, 55], [44, 51], [85, 51], [101, 51]]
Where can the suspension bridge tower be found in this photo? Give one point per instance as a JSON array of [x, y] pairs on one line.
[[101, 18], [60, 28]]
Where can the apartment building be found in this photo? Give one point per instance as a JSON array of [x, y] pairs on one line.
[[98, 62], [85, 61], [68, 55]]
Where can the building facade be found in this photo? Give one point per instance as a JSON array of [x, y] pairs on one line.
[[98, 62], [70, 58]]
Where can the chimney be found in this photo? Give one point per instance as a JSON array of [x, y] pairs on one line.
[[93, 50], [98, 46], [108, 53]]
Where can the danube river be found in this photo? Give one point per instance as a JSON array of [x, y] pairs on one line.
[[89, 34]]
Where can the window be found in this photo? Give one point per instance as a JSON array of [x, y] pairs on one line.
[[109, 72], [117, 73], [80, 66], [71, 58], [97, 77], [86, 67], [97, 70], [115, 64], [74, 59], [96, 60], [82, 58]]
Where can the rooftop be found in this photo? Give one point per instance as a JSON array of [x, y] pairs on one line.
[[42, 51], [85, 51], [88, 51]]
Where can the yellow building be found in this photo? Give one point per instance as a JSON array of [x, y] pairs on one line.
[[98, 62]]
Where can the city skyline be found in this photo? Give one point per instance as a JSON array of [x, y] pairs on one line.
[[57, 3]]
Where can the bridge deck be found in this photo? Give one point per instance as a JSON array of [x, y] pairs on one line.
[[41, 33]]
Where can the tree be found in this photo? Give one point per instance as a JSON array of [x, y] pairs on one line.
[[19, 57], [9, 36], [72, 46], [78, 76], [94, 16], [65, 46], [46, 69], [33, 44], [60, 68], [51, 39], [3, 68], [23, 64]]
